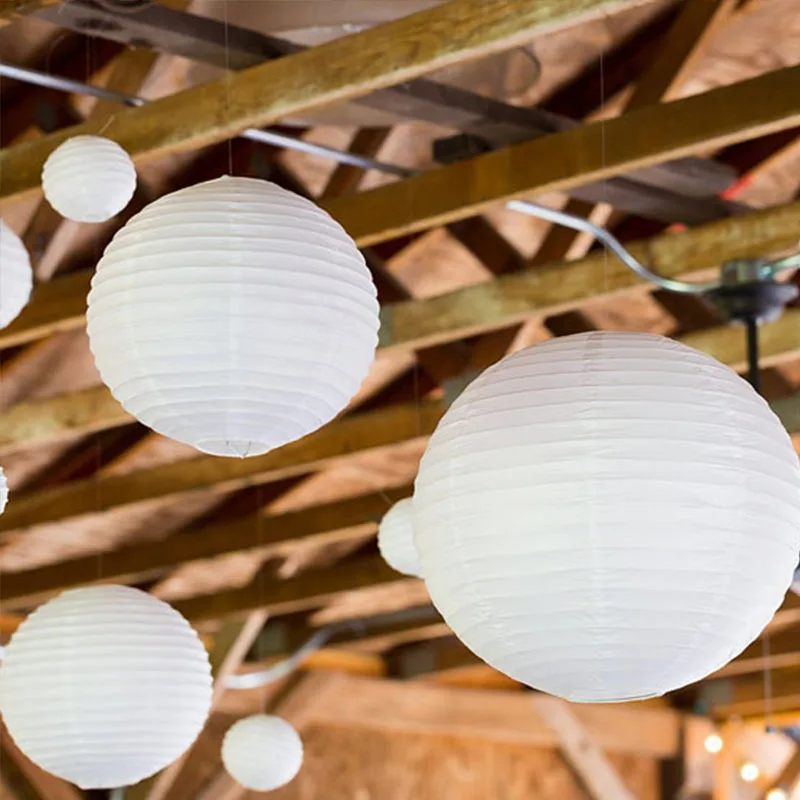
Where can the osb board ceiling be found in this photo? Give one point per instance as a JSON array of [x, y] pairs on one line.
[[325, 570]]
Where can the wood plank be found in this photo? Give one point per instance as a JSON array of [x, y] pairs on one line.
[[340, 70], [309, 590], [582, 155], [346, 177], [135, 562], [581, 750], [558, 287], [681, 50], [427, 709], [352, 434]]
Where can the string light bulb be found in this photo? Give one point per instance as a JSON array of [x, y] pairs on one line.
[[713, 744], [749, 772], [777, 793]]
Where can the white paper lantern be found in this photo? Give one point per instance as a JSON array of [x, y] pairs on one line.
[[233, 316], [608, 516], [396, 539], [16, 275], [262, 752], [104, 686], [89, 179], [3, 491]]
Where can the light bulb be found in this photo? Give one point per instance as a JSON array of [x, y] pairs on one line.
[[777, 794], [713, 744], [749, 772]]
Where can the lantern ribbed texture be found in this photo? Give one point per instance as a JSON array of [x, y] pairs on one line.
[[233, 316], [262, 752], [104, 686], [16, 275], [88, 179], [3, 491], [608, 516], [396, 539]]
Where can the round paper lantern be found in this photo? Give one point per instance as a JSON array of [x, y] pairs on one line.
[[262, 752], [608, 516], [3, 491], [233, 316], [396, 539], [16, 275], [88, 179], [104, 686]]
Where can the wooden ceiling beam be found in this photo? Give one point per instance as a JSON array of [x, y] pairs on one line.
[[261, 531], [327, 446], [341, 70], [309, 590], [574, 157]]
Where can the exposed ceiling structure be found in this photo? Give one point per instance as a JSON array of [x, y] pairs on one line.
[[674, 124]]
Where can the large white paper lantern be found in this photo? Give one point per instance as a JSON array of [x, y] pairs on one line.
[[89, 179], [396, 539], [16, 275], [104, 686], [233, 316], [262, 752], [608, 516], [3, 491]]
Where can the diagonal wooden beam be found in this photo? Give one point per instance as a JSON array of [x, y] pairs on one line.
[[581, 749], [457, 31]]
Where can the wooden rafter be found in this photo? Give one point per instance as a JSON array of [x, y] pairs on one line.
[[457, 31]]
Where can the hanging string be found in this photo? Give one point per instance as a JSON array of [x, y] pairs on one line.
[[228, 77], [754, 376]]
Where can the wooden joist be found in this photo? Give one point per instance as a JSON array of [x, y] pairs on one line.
[[457, 31], [12, 9], [582, 155], [329, 522], [343, 438], [307, 591]]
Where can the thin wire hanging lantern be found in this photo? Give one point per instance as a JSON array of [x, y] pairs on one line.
[[234, 316], [396, 539], [89, 179], [262, 752], [104, 686], [16, 275], [608, 516]]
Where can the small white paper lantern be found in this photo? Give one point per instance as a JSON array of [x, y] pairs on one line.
[[262, 752], [396, 539], [16, 275], [3, 491], [233, 316], [104, 686], [608, 516], [89, 179]]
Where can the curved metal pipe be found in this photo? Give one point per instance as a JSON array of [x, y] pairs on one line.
[[612, 243]]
